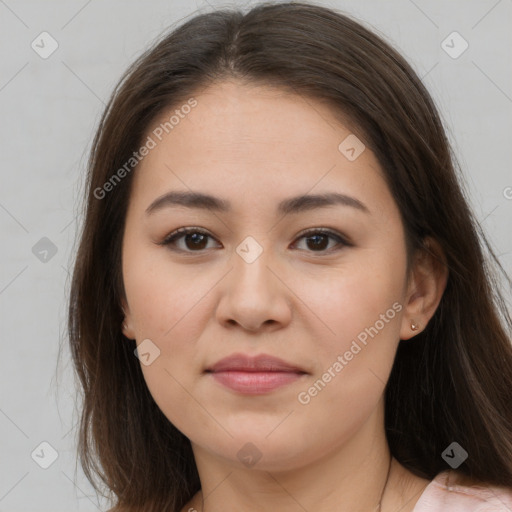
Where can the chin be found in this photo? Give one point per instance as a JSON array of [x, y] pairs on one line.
[[255, 449]]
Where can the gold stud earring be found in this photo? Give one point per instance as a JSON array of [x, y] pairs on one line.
[[414, 327]]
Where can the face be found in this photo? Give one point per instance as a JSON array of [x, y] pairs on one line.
[[318, 283]]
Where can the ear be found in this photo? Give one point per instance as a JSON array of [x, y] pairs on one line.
[[126, 326], [427, 282]]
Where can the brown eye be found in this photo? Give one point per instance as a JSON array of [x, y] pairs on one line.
[[194, 240], [318, 240]]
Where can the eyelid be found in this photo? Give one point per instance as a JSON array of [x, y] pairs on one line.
[[326, 231], [178, 233]]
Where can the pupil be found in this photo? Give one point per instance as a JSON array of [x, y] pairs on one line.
[[318, 243], [197, 239]]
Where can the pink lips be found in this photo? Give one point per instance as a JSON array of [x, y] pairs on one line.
[[254, 375]]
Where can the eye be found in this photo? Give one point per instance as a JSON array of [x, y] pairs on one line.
[[196, 240], [317, 240]]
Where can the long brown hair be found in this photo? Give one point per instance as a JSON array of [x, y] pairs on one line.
[[452, 382]]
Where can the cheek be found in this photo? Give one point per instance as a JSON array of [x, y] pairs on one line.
[[165, 307], [353, 364], [345, 302], [161, 296]]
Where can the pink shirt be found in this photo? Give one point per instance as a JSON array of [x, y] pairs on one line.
[[444, 494]]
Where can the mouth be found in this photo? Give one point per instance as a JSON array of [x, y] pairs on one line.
[[254, 375]]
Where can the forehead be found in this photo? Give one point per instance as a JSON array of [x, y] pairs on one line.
[[244, 118], [253, 141]]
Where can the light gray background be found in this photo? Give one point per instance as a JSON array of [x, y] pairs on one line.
[[49, 110]]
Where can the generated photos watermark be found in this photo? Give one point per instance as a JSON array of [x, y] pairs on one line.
[[152, 141], [305, 397]]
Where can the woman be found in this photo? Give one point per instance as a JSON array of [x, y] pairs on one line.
[[280, 299]]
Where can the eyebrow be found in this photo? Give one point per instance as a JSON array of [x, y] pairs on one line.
[[291, 205]]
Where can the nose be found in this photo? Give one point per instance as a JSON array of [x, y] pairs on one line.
[[254, 296]]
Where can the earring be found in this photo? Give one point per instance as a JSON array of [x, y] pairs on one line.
[[414, 327]]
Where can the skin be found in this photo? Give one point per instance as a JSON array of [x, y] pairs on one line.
[[255, 146]]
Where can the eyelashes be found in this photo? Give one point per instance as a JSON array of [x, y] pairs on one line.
[[196, 240], [181, 233]]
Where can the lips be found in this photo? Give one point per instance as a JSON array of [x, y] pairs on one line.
[[254, 375], [260, 363]]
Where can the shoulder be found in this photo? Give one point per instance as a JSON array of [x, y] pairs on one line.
[[450, 491]]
